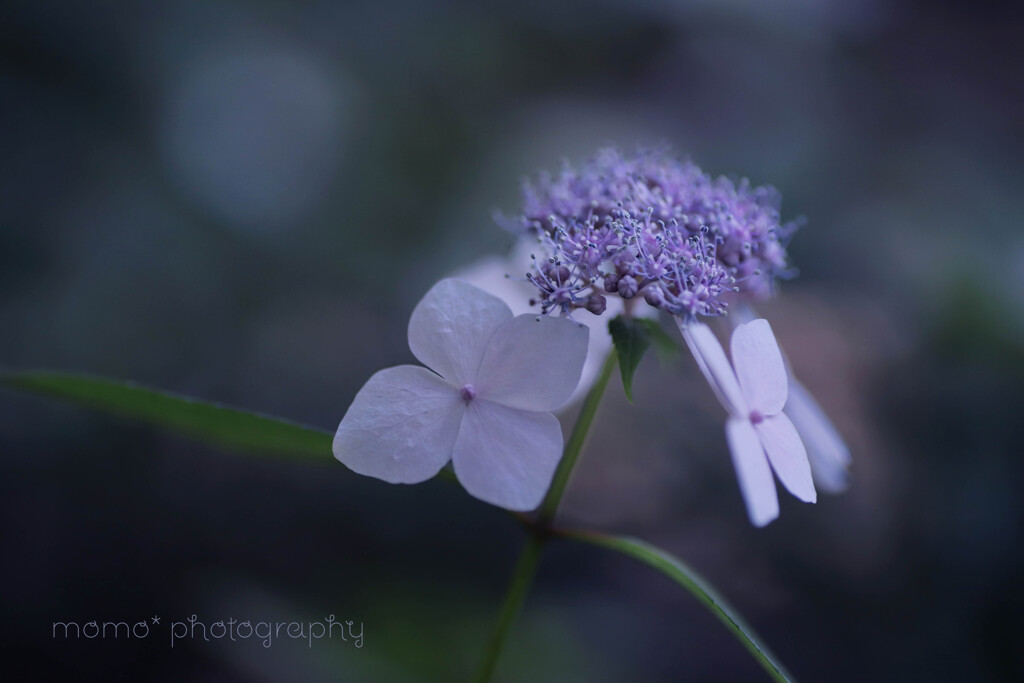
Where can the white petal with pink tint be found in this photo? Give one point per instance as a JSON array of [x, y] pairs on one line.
[[759, 367], [401, 427], [451, 327], [506, 456], [826, 451], [752, 470], [533, 362], [710, 357], [787, 455]]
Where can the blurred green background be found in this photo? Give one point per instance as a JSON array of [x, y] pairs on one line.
[[243, 201]]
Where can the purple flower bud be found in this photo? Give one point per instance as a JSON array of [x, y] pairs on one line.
[[654, 296], [628, 287], [611, 283], [596, 304], [558, 274]]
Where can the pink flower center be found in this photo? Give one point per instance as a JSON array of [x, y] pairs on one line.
[[468, 393], [756, 417]]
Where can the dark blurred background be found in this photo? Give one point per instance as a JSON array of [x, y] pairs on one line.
[[243, 201]]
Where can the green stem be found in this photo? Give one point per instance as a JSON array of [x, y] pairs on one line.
[[522, 577], [575, 443], [526, 566], [688, 578]]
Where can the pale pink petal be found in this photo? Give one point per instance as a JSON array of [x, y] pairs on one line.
[[533, 362], [505, 456], [787, 455], [451, 326], [752, 470], [401, 427], [759, 367], [828, 454], [711, 359]]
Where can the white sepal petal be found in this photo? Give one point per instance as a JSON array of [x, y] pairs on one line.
[[787, 455], [506, 456], [533, 362], [827, 453], [451, 326], [752, 470], [401, 427], [711, 359], [759, 367]]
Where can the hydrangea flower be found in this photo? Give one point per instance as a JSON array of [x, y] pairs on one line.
[[828, 454], [484, 403], [651, 226], [754, 390]]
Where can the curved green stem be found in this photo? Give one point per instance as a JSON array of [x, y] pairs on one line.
[[678, 571], [526, 566]]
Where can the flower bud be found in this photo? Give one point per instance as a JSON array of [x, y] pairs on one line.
[[556, 273], [628, 287], [654, 296], [596, 304]]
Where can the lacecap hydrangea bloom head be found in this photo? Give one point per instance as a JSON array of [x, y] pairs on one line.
[[643, 228], [654, 227]]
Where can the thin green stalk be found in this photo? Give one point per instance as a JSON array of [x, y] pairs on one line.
[[522, 577], [684, 575], [575, 443], [526, 566]]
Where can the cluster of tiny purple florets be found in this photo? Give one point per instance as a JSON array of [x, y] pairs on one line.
[[651, 226]]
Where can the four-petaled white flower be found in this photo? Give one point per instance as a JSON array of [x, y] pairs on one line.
[[827, 453], [758, 432], [486, 405]]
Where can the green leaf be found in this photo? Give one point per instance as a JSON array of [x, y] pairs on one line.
[[678, 571], [666, 345], [631, 340], [209, 422]]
